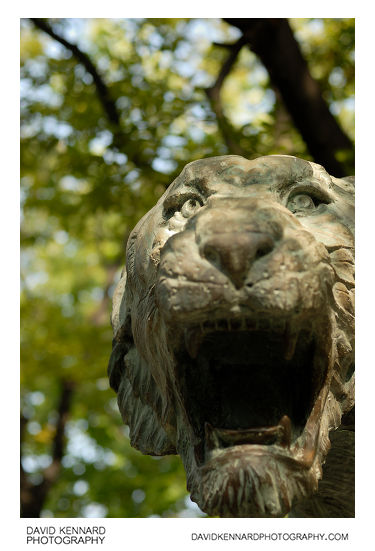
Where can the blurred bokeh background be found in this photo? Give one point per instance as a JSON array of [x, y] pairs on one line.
[[111, 110]]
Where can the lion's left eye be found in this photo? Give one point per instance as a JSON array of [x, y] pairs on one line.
[[190, 207], [301, 201]]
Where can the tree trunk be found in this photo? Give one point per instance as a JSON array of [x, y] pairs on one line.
[[272, 40], [33, 495]]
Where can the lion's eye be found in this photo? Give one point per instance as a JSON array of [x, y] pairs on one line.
[[190, 207], [302, 201], [182, 206]]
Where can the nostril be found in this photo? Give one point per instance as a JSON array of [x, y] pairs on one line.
[[211, 254], [264, 246], [263, 250]]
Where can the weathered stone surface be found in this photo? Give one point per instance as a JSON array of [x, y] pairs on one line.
[[234, 335]]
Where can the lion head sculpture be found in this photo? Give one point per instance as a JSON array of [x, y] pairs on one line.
[[233, 329]]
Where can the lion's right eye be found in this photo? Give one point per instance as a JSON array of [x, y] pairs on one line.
[[182, 205], [190, 207]]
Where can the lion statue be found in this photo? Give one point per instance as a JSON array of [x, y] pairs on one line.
[[234, 336]]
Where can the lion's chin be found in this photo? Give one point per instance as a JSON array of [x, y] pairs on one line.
[[264, 481], [251, 481]]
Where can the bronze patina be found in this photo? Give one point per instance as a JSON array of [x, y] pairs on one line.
[[234, 336]]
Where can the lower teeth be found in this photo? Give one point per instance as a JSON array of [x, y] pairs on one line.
[[223, 438]]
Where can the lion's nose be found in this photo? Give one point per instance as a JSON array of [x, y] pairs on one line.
[[234, 253]]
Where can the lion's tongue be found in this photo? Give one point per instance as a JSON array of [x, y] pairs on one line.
[[222, 438]]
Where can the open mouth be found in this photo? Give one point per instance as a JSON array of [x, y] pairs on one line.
[[248, 382]]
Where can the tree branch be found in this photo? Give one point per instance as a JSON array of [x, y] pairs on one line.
[[213, 94], [108, 104], [274, 43], [33, 495], [120, 139]]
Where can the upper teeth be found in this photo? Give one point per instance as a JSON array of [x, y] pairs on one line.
[[195, 334], [241, 324]]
